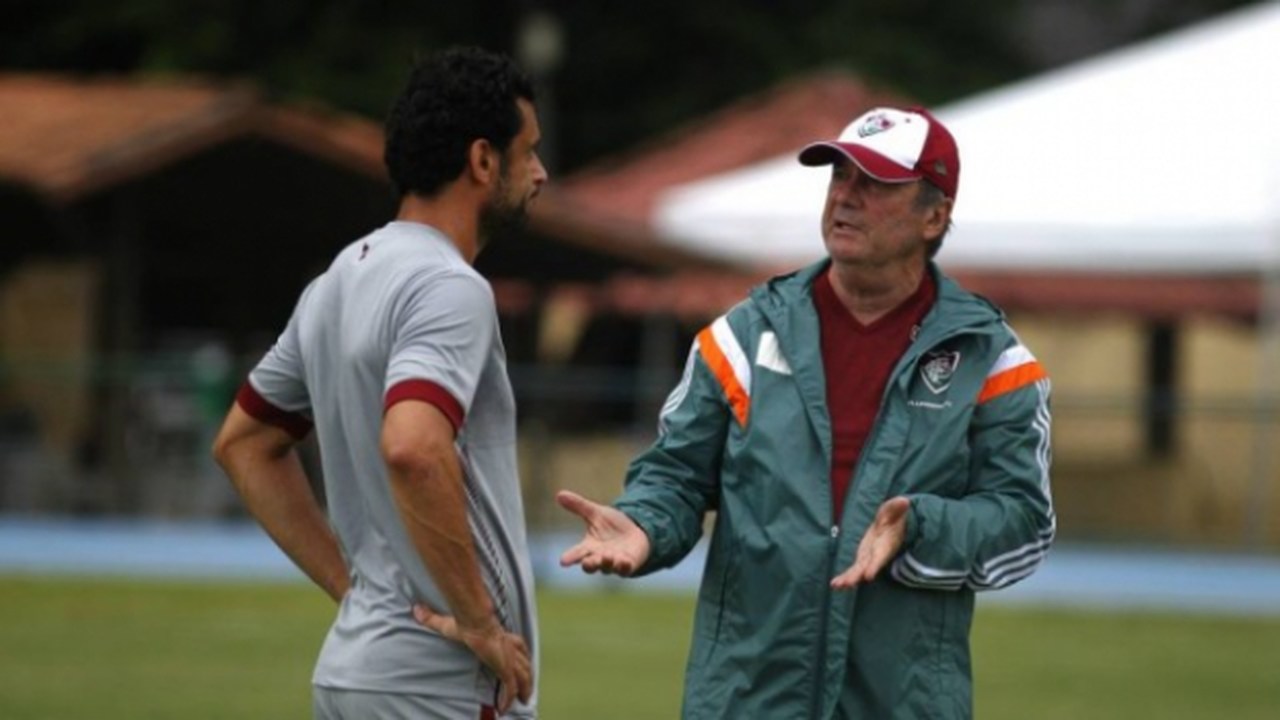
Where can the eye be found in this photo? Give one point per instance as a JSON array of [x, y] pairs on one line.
[[878, 187]]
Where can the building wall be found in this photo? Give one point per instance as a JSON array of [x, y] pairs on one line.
[[47, 315], [1219, 486]]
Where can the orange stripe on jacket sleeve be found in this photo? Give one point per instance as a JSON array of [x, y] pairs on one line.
[[720, 367], [1011, 379]]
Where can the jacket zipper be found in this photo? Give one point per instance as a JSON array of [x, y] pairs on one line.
[[833, 550], [833, 545]]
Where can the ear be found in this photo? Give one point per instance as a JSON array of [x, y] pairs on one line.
[[937, 218], [483, 162]]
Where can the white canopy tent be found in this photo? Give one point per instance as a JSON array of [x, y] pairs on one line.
[[1161, 157]]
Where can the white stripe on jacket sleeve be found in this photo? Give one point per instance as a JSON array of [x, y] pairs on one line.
[[681, 389], [1007, 567], [733, 352]]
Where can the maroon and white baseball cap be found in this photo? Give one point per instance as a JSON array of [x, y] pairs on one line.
[[893, 145]]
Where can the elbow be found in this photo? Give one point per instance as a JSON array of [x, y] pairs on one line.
[[222, 449], [406, 460], [243, 441], [230, 451]]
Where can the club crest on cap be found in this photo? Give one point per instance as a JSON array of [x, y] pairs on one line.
[[877, 123]]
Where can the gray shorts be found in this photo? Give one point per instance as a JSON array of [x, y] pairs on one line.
[[335, 704]]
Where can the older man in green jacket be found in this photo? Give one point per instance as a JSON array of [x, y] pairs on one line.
[[874, 441]]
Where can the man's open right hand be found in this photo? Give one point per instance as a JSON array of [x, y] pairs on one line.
[[612, 544]]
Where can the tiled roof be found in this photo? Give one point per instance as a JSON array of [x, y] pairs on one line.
[[763, 126], [67, 137]]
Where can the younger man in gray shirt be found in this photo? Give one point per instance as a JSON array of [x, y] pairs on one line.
[[394, 356]]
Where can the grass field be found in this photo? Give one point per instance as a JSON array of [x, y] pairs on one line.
[[114, 649]]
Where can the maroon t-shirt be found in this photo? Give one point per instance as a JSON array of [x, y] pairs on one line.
[[858, 360]]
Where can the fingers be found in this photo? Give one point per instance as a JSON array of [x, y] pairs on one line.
[[617, 565], [515, 675], [857, 573], [892, 512], [578, 505], [505, 694], [524, 673], [873, 555], [525, 690], [847, 579], [593, 560], [520, 645], [584, 509], [575, 554], [880, 544], [517, 684], [442, 624], [423, 615]]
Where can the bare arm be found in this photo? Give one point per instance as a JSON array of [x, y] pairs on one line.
[[263, 465], [427, 484]]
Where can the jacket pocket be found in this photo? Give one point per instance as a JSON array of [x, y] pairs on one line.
[[712, 613]]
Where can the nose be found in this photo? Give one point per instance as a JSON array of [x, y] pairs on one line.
[[540, 174]]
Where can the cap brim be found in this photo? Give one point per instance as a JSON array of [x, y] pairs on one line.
[[869, 161]]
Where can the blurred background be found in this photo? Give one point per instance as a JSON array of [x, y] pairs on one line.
[[172, 174]]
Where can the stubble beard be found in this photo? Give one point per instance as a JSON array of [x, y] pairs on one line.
[[502, 216]]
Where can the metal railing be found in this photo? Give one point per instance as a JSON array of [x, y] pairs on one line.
[[578, 427]]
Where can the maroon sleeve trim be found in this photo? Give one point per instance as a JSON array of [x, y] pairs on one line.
[[428, 392], [259, 408]]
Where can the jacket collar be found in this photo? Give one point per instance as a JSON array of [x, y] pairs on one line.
[[786, 302]]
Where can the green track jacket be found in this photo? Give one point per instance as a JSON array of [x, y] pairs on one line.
[[962, 430]]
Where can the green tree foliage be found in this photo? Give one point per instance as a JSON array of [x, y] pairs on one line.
[[630, 69], [665, 61]]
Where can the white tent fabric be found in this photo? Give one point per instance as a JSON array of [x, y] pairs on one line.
[[1160, 157]]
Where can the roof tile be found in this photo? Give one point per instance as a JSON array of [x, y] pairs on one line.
[[777, 121], [67, 136]]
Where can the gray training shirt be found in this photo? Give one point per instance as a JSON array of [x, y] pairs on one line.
[[398, 315]]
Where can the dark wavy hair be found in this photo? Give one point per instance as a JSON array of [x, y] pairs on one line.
[[453, 98]]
